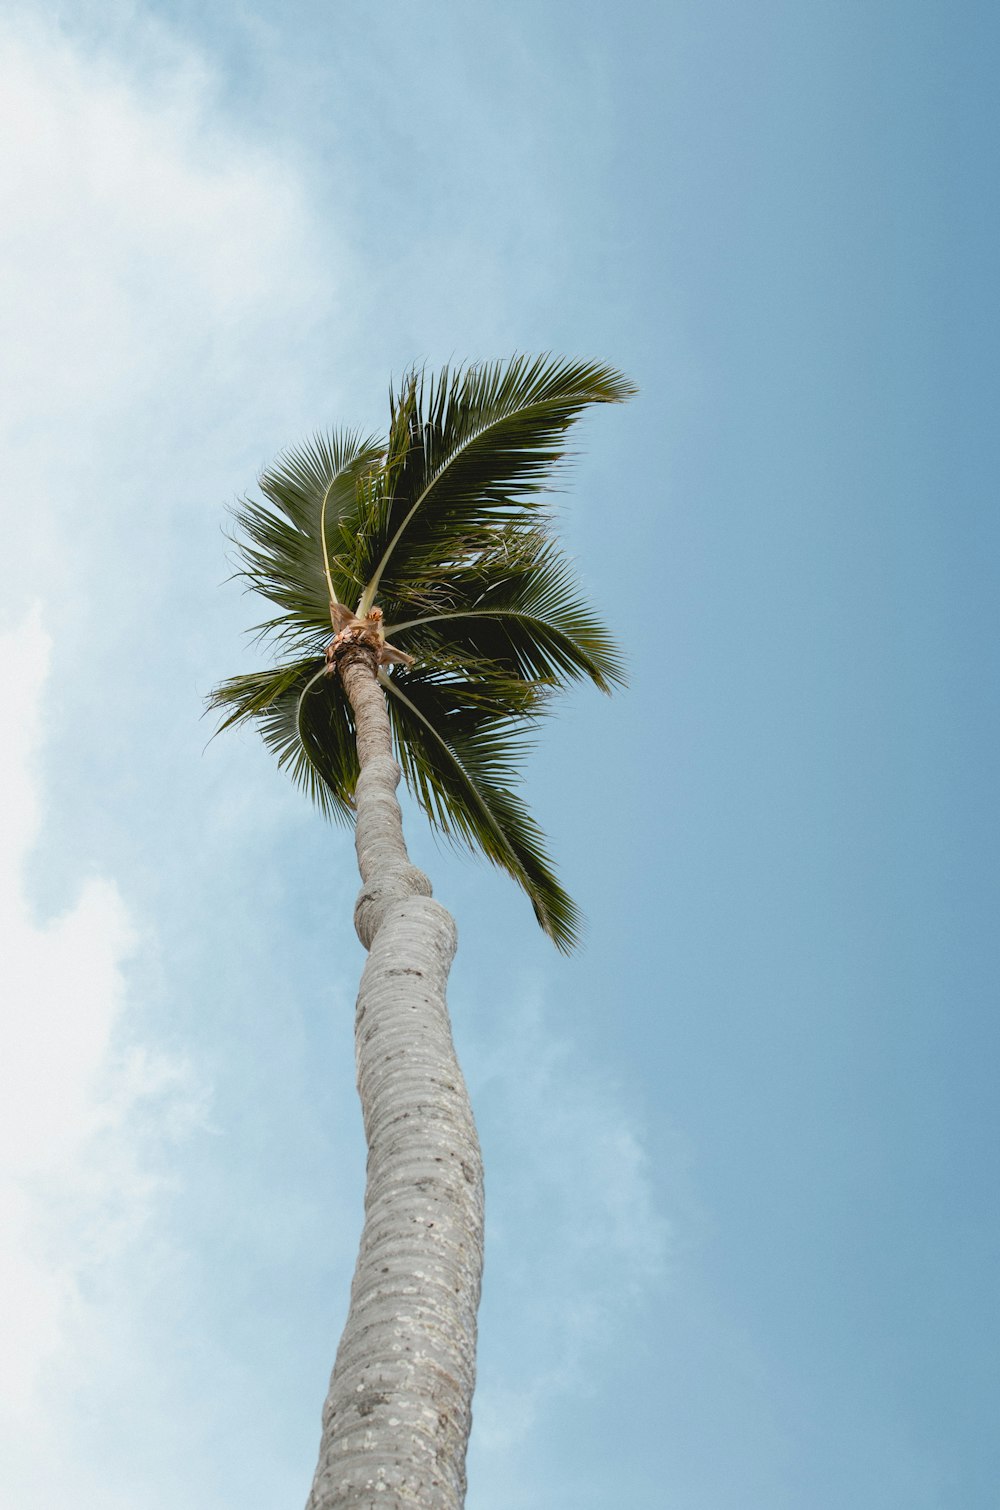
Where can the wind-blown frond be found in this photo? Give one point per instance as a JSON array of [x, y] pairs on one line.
[[292, 547], [242, 698], [515, 608], [470, 451], [458, 745], [305, 720]]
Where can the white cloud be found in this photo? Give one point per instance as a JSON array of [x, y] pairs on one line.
[[574, 1234], [152, 265], [130, 216], [78, 1106]]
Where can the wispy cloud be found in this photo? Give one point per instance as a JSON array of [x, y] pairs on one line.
[[574, 1231], [152, 263], [85, 1108]]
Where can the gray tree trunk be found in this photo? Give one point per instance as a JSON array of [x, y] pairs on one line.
[[397, 1417]]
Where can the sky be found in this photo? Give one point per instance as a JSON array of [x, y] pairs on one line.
[[741, 1150]]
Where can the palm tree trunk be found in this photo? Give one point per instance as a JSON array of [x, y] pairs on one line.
[[397, 1417]]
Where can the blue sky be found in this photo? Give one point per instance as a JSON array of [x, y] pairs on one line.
[[742, 1150]]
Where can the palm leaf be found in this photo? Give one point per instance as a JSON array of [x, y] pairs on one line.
[[246, 697], [471, 451], [292, 546], [514, 608], [459, 745], [305, 720]]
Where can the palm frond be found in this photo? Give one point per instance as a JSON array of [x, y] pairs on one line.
[[471, 451], [292, 545], [515, 608], [459, 745], [305, 720], [242, 698]]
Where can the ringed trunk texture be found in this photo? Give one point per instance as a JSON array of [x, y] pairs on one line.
[[397, 1417]]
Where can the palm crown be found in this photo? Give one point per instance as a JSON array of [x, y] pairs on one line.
[[444, 524]]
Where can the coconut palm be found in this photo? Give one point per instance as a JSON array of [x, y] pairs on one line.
[[465, 622]]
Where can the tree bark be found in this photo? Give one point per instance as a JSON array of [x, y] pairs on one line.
[[398, 1413]]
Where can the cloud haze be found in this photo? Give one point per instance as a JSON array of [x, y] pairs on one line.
[[86, 1110]]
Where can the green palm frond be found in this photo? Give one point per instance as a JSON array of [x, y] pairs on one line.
[[444, 524], [515, 608], [305, 720], [459, 745], [246, 697], [292, 547], [471, 451]]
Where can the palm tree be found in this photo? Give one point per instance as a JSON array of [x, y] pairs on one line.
[[466, 621]]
